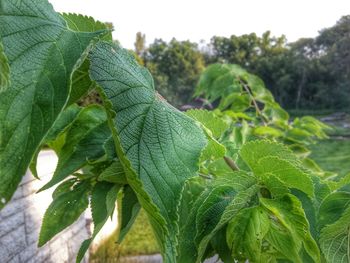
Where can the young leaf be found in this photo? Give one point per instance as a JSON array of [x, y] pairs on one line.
[[290, 175], [129, 209], [266, 158], [41, 68], [289, 229], [247, 188], [64, 210], [211, 211], [215, 124], [246, 232], [103, 199], [114, 174], [158, 146], [84, 141], [64, 187], [252, 152]]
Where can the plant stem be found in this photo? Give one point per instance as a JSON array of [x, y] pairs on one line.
[[231, 163], [256, 106]]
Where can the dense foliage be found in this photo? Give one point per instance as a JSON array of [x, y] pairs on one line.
[[310, 73], [236, 181]]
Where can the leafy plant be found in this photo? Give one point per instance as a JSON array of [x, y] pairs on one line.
[[232, 182]]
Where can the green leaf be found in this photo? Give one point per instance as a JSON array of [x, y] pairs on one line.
[[219, 244], [266, 158], [215, 124], [268, 131], [82, 23], [114, 174], [212, 204], [103, 199], [84, 141], [290, 175], [158, 146], [210, 210], [252, 152], [64, 187], [41, 69], [64, 210], [129, 208], [247, 189], [332, 208], [334, 239], [82, 83], [289, 229], [4, 70], [52, 138], [246, 232], [63, 122], [214, 150]]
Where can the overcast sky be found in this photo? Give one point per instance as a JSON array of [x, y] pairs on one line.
[[198, 19]]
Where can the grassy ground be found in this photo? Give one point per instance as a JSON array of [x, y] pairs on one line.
[[333, 155], [140, 240]]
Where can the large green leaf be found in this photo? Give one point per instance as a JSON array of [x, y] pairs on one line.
[[64, 210], [158, 146], [103, 199], [42, 53], [84, 142]]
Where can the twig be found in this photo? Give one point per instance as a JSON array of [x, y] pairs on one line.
[[231, 163], [258, 111], [205, 176]]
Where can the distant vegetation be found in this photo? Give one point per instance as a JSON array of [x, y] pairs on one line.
[[311, 73]]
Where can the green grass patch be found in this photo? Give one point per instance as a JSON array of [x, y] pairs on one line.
[[332, 155], [139, 241]]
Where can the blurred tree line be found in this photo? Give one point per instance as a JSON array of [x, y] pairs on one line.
[[311, 73]]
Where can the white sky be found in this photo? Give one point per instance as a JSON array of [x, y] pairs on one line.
[[196, 20]]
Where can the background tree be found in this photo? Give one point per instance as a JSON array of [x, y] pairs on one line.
[[176, 66], [140, 44]]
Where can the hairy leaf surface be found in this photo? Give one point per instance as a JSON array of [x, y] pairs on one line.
[[4, 70]]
